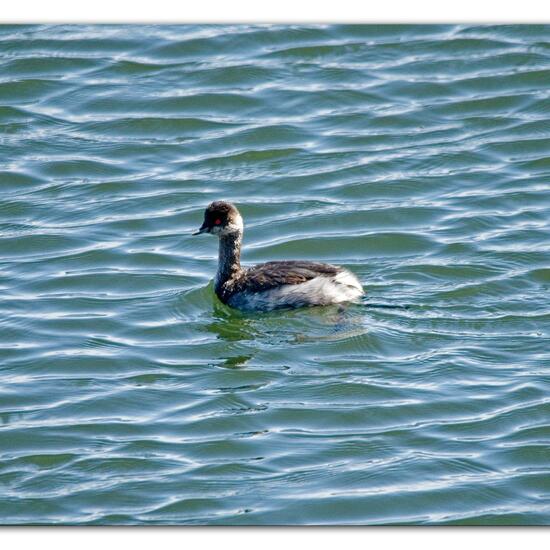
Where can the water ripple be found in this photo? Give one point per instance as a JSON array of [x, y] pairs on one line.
[[415, 155]]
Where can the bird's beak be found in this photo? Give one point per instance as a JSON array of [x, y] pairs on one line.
[[202, 229]]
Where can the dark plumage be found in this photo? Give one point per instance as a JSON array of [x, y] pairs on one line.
[[270, 275], [286, 272], [273, 284]]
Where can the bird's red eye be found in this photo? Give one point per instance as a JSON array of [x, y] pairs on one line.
[[218, 221]]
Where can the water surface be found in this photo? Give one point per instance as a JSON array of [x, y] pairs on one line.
[[416, 156]]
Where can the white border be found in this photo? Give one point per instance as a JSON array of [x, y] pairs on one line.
[[228, 538], [279, 11]]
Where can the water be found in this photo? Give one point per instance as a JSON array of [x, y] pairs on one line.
[[416, 156]]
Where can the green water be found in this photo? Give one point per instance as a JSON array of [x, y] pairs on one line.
[[416, 156]]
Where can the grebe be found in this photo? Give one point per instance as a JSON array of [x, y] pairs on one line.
[[273, 285]]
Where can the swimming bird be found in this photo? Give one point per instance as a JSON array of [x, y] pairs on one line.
[[272, 285]]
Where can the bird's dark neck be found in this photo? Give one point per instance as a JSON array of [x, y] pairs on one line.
[[229, 261]]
